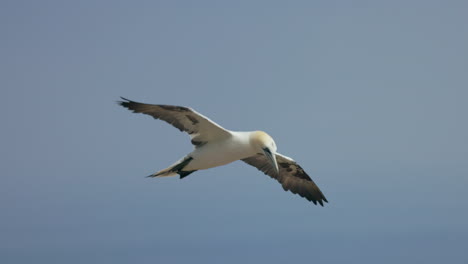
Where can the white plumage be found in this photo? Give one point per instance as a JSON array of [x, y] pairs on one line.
[[216, 146]]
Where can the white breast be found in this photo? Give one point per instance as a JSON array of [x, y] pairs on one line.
[[219, 153]]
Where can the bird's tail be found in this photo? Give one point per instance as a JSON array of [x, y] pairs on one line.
[[174, 169], [163, 173]]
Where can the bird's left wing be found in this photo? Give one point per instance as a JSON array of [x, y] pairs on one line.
[[291, 176], [200, 128]]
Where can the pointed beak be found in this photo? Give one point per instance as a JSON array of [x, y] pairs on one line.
[[271, 158]]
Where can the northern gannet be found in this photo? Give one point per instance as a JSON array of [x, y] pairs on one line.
[[216, 146]]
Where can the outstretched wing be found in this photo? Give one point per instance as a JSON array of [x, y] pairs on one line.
[[200, 128], [291, 176]]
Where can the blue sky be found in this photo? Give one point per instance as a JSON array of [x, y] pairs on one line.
[[370, 97]]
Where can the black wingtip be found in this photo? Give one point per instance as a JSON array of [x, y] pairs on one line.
[[319, 201], [322, 200], [125, 103]]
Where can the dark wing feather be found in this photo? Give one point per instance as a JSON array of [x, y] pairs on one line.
[[200, 128], [291, 176]]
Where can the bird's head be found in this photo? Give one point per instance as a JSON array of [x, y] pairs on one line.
[[264, 144]]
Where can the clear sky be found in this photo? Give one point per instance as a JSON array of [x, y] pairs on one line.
[[370, 97]]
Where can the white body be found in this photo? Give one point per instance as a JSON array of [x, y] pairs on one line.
[[221, 152]]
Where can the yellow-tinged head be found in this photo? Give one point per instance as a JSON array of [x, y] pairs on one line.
[[260, 140], [264, 144]]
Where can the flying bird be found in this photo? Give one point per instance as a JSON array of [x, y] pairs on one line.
[[216, 146]]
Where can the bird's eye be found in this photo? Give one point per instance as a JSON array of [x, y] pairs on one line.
[[267, 150]]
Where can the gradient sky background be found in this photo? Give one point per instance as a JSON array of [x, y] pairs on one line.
[[370, 97]]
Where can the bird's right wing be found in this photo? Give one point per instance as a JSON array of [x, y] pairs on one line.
[[291, 176], [200, 128]]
